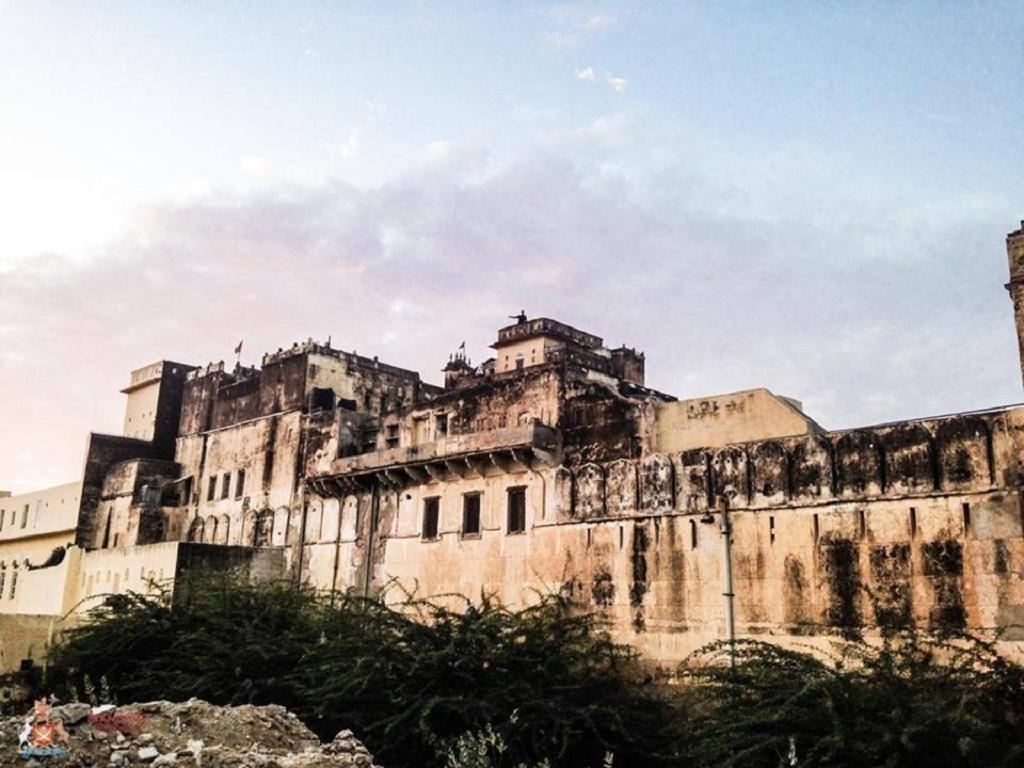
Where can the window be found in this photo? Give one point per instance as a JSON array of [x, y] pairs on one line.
[[370, 439], [321, 399], [2, 515], [441, 423], [14, 580], [517, 510], [225, 485], [391, 436], [240, 484], [431, 513], [24, 518], [3, 579], [471, 514], [212, 490]]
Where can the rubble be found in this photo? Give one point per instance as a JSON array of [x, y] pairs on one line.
[[189, 734]]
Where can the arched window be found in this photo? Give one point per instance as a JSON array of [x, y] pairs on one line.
[[195, 530], [264, 528]]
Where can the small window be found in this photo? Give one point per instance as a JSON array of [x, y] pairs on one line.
[[370, 439], [211, 492], [24, 519], [442, 424], [471, 514], [240, 484], [225, 485], [431, 513], [391, 436], [517, 510], [321, 399], [3, 579], [2, 515], [14, 580]]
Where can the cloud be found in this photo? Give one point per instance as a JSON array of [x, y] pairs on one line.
[[586, 73], [374, 110], [864, 306], [617, 84], [348, 147], [574, 24]]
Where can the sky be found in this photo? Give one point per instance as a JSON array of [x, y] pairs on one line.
[[810, 197]]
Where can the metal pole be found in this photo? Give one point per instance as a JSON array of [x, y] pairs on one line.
[[374, 511], [730, 624]]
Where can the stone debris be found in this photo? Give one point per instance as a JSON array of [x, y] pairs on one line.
[[191, 734]]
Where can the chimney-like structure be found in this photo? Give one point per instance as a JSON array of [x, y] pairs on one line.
[[1015, 255]]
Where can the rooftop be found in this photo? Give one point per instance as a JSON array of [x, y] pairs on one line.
[[545, 326]]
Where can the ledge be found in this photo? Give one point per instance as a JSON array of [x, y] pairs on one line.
[[515, 449]]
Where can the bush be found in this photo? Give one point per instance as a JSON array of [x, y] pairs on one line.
[[912, 700], [428, 685], [409, 679]]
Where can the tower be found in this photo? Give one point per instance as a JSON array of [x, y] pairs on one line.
[[1015, 255], [154, 404]]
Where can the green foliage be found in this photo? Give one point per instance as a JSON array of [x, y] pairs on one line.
[[487, 749], [911, 700], [485, 687], [409, 679]]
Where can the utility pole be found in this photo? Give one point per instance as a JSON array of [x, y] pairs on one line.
[[722, 506], [727, 592]]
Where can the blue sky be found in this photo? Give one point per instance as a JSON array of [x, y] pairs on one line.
[[806, 196]]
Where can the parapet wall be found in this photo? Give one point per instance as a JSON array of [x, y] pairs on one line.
[[834, 534], [957, 454]]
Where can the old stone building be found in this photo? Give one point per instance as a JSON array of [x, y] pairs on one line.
[[552, 466]]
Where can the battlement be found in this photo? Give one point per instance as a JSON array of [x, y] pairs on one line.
[[543, 326]]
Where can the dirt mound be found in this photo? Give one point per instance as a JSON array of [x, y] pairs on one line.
[[162, 733]]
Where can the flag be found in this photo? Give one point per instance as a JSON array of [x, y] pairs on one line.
[[462, 346], [238, 349]]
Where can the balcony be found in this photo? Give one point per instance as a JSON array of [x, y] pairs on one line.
[[478, 454]]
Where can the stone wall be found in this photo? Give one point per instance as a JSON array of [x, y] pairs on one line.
[[835, 534]]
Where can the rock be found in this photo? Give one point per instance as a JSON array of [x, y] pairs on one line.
[[73, 713], [196, 734]]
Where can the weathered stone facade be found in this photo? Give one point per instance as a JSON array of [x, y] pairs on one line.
[[552, 467]]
